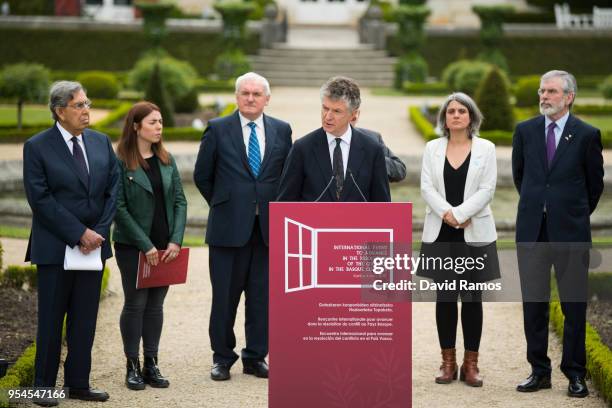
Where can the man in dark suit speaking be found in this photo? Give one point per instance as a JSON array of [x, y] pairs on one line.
[[336, 162], [557, 166], [70, 176], [237, 171]]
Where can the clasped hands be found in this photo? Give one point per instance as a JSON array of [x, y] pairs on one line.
[[89, 241], [450, 219], [169, 254]]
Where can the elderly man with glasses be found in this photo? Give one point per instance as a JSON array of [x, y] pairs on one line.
[[70, 177]]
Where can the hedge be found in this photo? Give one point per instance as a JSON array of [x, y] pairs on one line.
[[116, 50], [526, 55], [499, 137], [21, 374], [599, 355]]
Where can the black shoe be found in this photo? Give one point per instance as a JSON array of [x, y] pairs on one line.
[[151, 374], [87, 394], [133, 376], [257, 368], [534, 383], [577, 388], [220, 372], [46, 402]]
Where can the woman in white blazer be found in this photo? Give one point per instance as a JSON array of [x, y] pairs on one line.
[[458, 180]]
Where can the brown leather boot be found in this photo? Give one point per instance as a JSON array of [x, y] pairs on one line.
[[469, 369], [448, 369]]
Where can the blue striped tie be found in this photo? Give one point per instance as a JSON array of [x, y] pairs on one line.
[[254, 154]]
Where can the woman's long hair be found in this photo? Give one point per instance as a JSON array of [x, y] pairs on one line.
[[127, 149]]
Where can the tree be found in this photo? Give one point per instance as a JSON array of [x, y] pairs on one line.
[[157, 93], [493, 99], [26, 83]]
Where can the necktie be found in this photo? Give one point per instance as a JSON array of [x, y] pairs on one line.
[[254, 153], [338, 168], [79, 158], [551, 146]]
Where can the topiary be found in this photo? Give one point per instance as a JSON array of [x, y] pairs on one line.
[[231, 64], [412, 67], [493, 98], [526, 91], [449, 75], [187, 103], [179, 76], [99, 84], [469, 76], [157, 93], [606, 87]]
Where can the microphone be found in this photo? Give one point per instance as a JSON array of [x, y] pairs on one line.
[[325, 189], [356, 185]]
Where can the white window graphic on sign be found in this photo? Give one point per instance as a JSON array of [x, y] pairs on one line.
[[347, 252]]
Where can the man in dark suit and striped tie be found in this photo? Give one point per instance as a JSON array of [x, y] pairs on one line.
[[237, 171]]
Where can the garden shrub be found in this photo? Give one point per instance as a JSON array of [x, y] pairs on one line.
[[231, 64], [606, 88], [99, 84], [158, 94], [411, 67], [179, 76], [526, 91], [470, 75], [187, 103], [493, 99]]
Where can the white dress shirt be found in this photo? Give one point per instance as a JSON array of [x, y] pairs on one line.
[[259, 130], [67, 138], [345, 146]]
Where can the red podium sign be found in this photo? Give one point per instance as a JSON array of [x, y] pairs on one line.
[[335, 341]]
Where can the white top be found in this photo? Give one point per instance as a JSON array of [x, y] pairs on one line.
[[259, 130], [68, 139], [560, 125], [345, 147]]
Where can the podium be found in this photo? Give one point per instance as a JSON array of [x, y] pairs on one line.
[[335, 340]]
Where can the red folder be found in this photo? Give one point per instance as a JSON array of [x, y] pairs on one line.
[[163, 274]]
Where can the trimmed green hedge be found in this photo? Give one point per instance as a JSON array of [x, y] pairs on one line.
[[21, 374], [526, 55], [116, 50], [599, 355], [499, 137]]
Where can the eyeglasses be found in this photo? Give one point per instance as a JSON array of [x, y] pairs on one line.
[[81, 105], [550, 91]]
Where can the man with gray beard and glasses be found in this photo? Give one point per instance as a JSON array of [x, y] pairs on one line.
[[557, 166]]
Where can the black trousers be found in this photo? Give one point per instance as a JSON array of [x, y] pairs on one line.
[[142, 316], [570, 261], [447, 317], [233, 271], [75, 294]]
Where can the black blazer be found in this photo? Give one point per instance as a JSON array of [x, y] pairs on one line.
[[63, 205], [308, 170], [396, 169], [570, 188], [223, 176]]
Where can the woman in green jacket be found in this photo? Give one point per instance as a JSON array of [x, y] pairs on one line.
[[151, 215]]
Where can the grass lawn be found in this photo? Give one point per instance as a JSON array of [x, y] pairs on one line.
[[603, 122], [32, 114]]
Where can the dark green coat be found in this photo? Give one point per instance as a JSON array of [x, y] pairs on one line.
[[135, 204]]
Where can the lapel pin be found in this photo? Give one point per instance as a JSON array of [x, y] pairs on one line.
[[568, 137], [131, 178]]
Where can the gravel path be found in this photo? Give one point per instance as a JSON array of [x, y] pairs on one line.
[[185, 355]]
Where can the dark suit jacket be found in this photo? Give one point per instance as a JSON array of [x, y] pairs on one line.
[[308, 170], [570, 188], [396, 169], [223, 176], [63, 206]]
